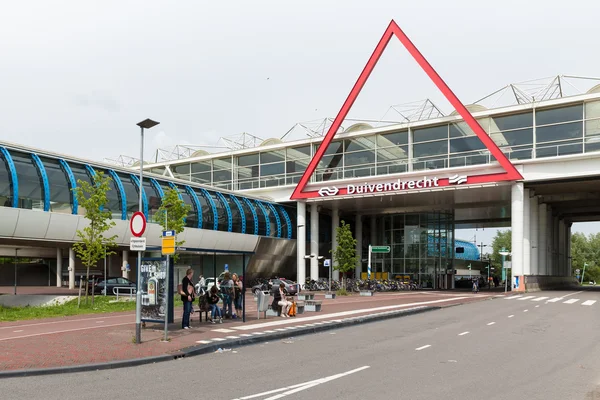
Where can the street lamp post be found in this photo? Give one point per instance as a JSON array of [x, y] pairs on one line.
[[584, 265], [145, 124], [504, 253]]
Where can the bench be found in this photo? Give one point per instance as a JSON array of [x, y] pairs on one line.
[[306, 296], [313, 305], [273, 313], [300, 307], [202, 308], [367, 293]]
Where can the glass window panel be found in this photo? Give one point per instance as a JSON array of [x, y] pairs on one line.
[[433, 133], [203, 166], [592, 109], [297, 165], [391, 168], [431, 149], [221, 212], [158, 170], [357, 172], [556, 115], [272, 169], [249, 216], [5, 194], [248, 159], [471, 159], [330, 161], [222, 176], [592, 128], [272, 156], [360, 143], [520, 154], [560, 149], [203, 177], [559, 132], [392, 139], [205, 210], [335, 147], [461, 129], [515, 121], [131, 194], [113, 197], [30, 186], [592, 144], [359, 158], [514, 138], [247, 172], [191, 221], [236, 217], [60, 192], [462, 145], [153, 197], [392, 153], [80, 173], [299, 152], [181, 171], [222, 163]]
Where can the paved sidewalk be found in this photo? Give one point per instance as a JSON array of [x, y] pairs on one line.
[[90, 339]]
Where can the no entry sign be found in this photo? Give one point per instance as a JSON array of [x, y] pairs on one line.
[[137, 224]]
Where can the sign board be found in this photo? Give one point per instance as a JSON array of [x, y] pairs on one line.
[[153, 290], [168, 233], [577, 271], [137, 224], [137, 244], [327, 262], [508, 264], [168, 245], [380, 249]]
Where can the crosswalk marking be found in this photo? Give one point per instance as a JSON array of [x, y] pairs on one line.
[[588, 302], [571, 301], [554, 300], [526, 298], [540, 299], [513, 297]]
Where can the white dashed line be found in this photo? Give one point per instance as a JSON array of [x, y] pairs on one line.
[[423, 347], [269, 331], [218, 339], [510, 316], [588, 302], [20, 330], [491, 323], [526, 297], [464, 333], [224, 330], [525, 310], [246, 335], [571, 301], [258, 333], [99, 322], [232, 337], [537, 306], [204, 341], [554, 300], [540, 299], [513, 297]]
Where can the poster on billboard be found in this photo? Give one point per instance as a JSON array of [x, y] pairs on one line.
[[154, 287]]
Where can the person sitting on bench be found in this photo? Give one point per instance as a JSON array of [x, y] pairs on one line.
[[281, 301]]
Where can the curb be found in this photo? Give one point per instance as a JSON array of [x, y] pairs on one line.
[[213, 347]]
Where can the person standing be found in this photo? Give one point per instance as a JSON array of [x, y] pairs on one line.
[[228, 294], [237, 298], [187, 296]]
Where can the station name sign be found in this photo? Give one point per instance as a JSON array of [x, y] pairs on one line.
[[395, 186]]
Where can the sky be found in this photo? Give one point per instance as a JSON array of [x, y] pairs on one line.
[[78, 75]]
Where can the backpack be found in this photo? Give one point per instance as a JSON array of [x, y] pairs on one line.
[[292, 311]]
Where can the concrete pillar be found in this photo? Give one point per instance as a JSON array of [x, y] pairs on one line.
[[125, 273], [526, 233], [543, 238], [533, 235], [568, 251], [71, 268], [359, 231], [516, 220], [555, 247], [335, 222], [314, 242], [301, 242], [549, 243], [58, 267], [562, 247]]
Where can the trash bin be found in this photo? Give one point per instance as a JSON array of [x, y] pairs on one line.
[[262, 302]]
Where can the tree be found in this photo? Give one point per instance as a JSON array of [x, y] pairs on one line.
[[586, 250], [94, 246], [344, 255], [502, 239], [171, 215]]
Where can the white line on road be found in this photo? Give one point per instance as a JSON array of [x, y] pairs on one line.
[[99, 322], [203, 341], [571, 301], [525, 310], [288, 390], [510, 316], [537, 306], [513, 297], [526, 297], [588, 302], [423, 347], [217, 339], [554, 300], [223, 330], [63, 331], [70, 320], [491, 323], [20, 330], [464, 333], [230, 337], [572, 294], [540, 299]]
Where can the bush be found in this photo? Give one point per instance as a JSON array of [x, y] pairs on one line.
[[342, 292]]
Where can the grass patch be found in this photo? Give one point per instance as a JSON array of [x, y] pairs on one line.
[[342, 292]]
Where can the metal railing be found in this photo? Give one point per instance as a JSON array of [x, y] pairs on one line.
[[131, 290]]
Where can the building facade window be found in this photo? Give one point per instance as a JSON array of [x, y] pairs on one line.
[[60, 192], [31, 195]]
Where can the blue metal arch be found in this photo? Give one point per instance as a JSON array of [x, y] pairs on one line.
[[122, 195], [288, 221], [241, 210], [277, 219], [158, 188], [197, 206], [173, 186], [266, 214], [136, 182], [210, 200], [228, 210], [66, 169], [254, 215], [41, 170], [14, 180]]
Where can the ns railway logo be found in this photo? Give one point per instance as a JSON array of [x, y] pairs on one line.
[[395, 186], [509, 172]]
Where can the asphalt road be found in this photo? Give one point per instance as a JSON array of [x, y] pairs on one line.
[[498, 349]]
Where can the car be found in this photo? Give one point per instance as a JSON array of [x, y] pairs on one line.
[[111, 283], [291, 288]]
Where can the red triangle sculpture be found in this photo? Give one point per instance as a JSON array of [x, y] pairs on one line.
[[393, 29]]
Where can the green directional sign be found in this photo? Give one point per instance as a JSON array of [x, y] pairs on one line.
[[380, 249]]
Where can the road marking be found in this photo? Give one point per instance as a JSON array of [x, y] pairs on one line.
[[258, 333], [218, 339], [571, 301], [526, 297], [513, 297], [20, 330], [245, 335], [540, 299], [348, 313], [204, 341], [510, 316], [525, 310], [491, 323], [588, 302], [232, 337], [572, 294], [223, 330], [554, 300], [99, 322], [69, 320], [423, 347], [63, 331], [288, 390], [464, 333], [537, 306], [269, 331]]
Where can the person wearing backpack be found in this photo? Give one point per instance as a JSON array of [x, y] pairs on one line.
[[212, 298]]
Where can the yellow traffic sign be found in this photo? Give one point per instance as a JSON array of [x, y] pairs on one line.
[[168, 245]]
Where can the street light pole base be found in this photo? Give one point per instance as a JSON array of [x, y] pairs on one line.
[[138, 333]]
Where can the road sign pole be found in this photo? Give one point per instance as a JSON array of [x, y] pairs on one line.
[[369, 263], [167, 299]]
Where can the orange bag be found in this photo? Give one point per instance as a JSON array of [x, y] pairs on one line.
[[292, 312]]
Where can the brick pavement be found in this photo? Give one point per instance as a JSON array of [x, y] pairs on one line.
[[95, 343]]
